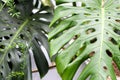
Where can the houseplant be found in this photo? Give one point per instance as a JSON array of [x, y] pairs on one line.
[[21, 29], [91, 30], [94, 29]]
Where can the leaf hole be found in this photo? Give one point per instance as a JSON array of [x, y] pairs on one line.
[[6, 37], [2, 46], [21, 36], [96, 20], [90, 30], [87, 14], [117, 7], [117, 20], [113, 40], [1, 74], [0, 37], [109, 17], [11, 34], [73, 58], [109, 53], [9, 55], [117, 31], [93, 40], [118, 13], [109, 12], [2, 67], [91, 54], [98, 15], [18, 23], [85, 22], [75, 37], [89, 8], [6, 28], [104, 67], [109, 24], [10, 65], [107, 33], [19, 54]]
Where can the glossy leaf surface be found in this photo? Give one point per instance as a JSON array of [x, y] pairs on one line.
[[91, 30], [20, 33]]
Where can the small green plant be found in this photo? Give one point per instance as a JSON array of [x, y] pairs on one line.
[[15, 74]]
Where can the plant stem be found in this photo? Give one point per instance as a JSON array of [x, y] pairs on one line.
[[103, 2]]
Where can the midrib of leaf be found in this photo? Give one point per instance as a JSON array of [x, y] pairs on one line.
[[12, 40], [102, 30]]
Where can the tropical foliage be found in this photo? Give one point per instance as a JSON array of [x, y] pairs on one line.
[[90, 31], [21, 29]]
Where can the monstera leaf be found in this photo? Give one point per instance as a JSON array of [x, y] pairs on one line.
[[18, 35], [91, 30]]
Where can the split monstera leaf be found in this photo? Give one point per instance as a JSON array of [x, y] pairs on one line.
[[91, 30], [18, 34]]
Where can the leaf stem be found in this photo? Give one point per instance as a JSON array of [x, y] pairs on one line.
[[103, 2], [102, 28]]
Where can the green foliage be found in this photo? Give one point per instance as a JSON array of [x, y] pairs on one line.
[[15, 74], [20, 31], [12, 9], [91, 30]]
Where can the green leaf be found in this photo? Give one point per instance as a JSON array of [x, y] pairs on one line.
[[40, 59], [90, 31], [18, 36], [13, 50], [25, 7]]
